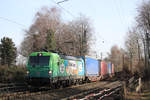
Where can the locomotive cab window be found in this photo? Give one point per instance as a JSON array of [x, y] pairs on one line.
[[39, 60]]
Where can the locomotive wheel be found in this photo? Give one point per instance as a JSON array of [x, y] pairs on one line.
[[53, 85], [68, 83], [64, 84], [58, 85]]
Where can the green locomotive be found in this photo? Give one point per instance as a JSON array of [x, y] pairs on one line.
[[54, 69]]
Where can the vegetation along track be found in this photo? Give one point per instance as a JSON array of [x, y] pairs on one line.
[[15, 90], [22, 90], [95, 94], [56, 94], [12, 87]]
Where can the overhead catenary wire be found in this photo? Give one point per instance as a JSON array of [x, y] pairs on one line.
[[23, 26], [12, 21], [62, 1], [118, 10], [123, 11], [63, 8]]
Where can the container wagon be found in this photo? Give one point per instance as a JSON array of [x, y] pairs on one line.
[[92, 68], [113, 70], [109, 67], [104, 71]]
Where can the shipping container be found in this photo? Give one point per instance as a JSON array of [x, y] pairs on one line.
[[113, 69], [109, 65], [103, 68], [92, 66]]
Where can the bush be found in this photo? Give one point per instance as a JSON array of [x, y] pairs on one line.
[[12, 74]]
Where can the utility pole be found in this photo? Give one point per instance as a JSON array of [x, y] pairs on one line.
[[123, 67], [101, 56], [82, 37], [83, 41], [139, 53], [147, 50]]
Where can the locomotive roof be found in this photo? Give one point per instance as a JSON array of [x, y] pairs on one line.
[[71, 57], [43, 53], [62, 56]]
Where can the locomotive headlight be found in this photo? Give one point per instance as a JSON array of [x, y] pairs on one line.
[[50, 72], [27, 72]]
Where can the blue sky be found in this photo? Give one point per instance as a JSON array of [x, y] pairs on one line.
[[109, 18]]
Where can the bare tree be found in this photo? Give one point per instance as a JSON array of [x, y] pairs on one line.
[[134, 47], [143, 23], [49, 31], [46, 21], [115, 57], [74, 37], [143, 18]]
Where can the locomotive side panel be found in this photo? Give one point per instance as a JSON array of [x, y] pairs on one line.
[[72, 67]]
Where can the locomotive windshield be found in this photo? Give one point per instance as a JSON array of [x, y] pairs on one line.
[[39, 60]]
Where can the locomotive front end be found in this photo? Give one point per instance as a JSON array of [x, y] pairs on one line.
[[38, 68]]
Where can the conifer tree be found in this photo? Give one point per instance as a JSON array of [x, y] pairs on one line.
[[8, 51]]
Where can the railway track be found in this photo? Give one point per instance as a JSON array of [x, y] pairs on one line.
[[19, 88], [13, 87], [97, 93], [96, 90], [72, 92]]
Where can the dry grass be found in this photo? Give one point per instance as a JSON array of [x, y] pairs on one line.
[[12, 74], [145, 95], [138, 96]]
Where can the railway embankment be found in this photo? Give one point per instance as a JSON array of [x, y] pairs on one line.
[[137, 90], [107, 89], [12, 74], [68, 93]]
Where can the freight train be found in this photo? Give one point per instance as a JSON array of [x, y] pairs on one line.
[[49, 68]]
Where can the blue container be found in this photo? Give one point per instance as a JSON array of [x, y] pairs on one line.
[[109, 68], [92, 66]]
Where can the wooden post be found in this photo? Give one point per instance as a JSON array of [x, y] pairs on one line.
[[125, 90]]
